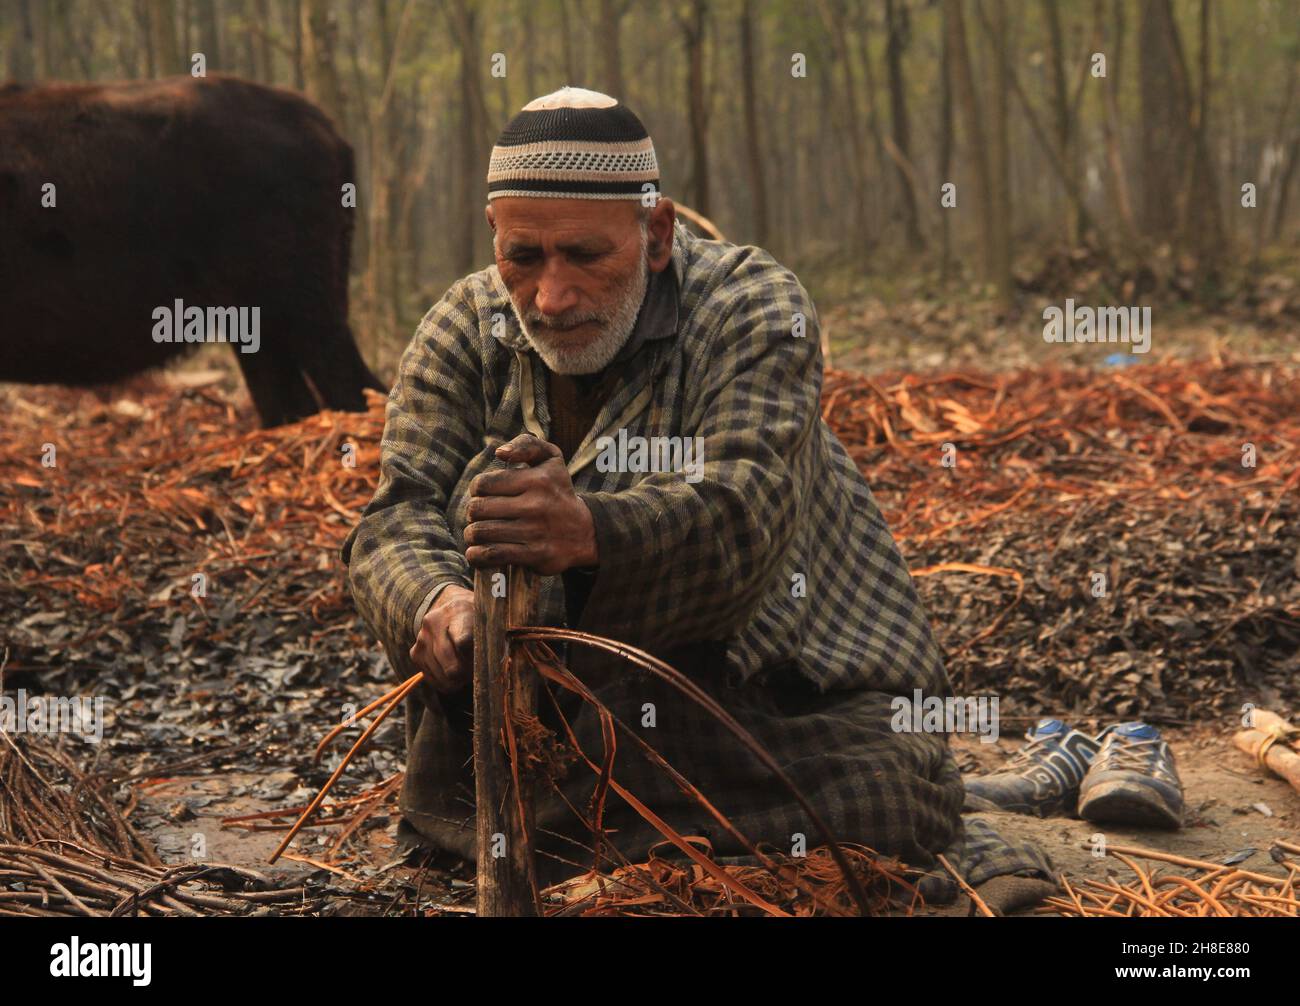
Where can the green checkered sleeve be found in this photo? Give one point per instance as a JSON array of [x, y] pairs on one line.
[[402, 549], [703, 553]]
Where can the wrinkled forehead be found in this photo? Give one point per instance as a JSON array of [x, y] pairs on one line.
[[548, 219]]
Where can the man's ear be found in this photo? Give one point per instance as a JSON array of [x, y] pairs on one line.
[[491, 217], [659, 228]]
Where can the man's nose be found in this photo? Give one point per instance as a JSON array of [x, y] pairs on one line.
[[556, 293]]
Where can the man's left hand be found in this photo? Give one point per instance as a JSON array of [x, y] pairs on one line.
[[529, 516]]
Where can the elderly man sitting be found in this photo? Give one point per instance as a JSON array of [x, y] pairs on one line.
[[757, 561]]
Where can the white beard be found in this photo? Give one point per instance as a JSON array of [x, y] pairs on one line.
[[616, 327]]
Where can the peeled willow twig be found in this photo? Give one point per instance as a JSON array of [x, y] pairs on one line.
[[692, 691], [396, 696], [93, 883], [352, 720], [565, 678], [970, 891], [553, 670], [1221, 891]]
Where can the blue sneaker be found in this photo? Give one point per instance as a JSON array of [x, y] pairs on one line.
[[1133, 780], [1042, 778]]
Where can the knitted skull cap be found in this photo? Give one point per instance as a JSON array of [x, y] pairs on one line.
[[574, 144]]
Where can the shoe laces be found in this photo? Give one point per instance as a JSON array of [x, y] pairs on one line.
[[1133, 755], [1028, 755]]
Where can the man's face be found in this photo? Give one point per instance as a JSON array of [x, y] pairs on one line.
[[577, 272]]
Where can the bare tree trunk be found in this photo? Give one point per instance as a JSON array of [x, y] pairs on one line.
[[1284, 187], [163, 41], [1165, 105], [1207, 234], [527, 10], [142, 23], [119, 27], [469, 201], [692, 27], [44, 49], [295, 33], [22, 68], [1110, 120], [830, 150], [183, 31], [945, 146], [1000, 158], [611, 53], [977, 154], [383, 268], [1292, 155], [1062, 120], [573, 68], [832, 12], [241, 51], [883, 143], [753, 138], [1006, 76], [69, 47], [263, 59], [319, 30], [898, 28], [209, 33]]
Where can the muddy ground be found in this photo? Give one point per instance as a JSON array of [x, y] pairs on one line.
[[1232, 811]]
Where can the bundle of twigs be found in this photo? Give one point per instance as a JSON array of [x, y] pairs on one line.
[[1214, 890], [61, 879], [44, 796], [66, 849], [535, 656]]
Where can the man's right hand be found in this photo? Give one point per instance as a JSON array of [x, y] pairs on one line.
[[444, 649]]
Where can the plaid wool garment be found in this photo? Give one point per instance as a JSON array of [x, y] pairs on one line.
[[769, 575]]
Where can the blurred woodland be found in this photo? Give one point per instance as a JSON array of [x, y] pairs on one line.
[[1154, 142]]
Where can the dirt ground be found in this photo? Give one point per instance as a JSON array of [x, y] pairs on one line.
[[1231, 807]]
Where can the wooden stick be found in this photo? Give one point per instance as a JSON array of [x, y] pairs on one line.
[[1279, 757], [507, 886]]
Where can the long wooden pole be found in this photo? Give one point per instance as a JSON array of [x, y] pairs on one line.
[[503, 598]]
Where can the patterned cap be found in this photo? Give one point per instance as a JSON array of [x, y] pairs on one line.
[[574, 144]]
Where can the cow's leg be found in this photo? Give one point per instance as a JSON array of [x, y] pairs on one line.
[[259, 376], [279, 392], [294, 391], [339, 373]]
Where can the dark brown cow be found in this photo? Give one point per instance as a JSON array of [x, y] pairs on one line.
[[217, 193]]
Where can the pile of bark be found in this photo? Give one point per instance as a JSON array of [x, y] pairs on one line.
[[1138, 527], [1089, 543], [1146, 568], [184, 564]]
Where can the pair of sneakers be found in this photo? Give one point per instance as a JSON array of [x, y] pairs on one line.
[[1124, 775]]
